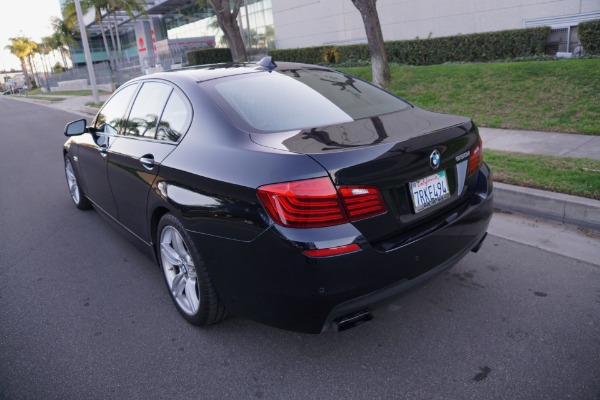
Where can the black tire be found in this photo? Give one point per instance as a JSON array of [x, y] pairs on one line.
[[185, 274], [77, 194]]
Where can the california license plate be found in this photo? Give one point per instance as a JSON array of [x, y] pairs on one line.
[[429, 191]]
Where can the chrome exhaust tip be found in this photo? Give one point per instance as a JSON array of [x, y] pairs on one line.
[[352, 320]]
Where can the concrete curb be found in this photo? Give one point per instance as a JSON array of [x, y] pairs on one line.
[[89, 110], [559, 207]]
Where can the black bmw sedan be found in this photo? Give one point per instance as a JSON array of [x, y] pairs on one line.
[[294, 195]]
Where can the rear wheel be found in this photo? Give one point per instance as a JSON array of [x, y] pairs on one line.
[[77, 195], [185, 274]]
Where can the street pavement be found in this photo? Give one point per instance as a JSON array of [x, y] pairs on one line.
[[84, 315]]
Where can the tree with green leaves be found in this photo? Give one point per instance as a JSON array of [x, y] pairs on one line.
[[132, 8], [379, 64], [22, 47], [98, 6], [63, 35]]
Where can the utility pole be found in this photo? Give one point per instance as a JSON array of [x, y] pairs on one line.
[[86, 51]]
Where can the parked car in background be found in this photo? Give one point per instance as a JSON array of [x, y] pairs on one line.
[[294, 195]]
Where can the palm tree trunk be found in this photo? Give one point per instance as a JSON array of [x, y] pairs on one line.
[[62, 54], [33, 72], [117, 33], [108, 52], [24, 69], [112, 36]]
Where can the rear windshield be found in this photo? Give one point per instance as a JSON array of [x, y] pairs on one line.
[[287, 100]]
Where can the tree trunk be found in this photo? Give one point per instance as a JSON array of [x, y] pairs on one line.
[[62, 54], [227, 20], [24, 68], [112, 36], [379, 64], [108, 52], [33, 72], [117, 33]]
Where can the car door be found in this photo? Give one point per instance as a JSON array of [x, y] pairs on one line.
[[150, 134], [93, 149]]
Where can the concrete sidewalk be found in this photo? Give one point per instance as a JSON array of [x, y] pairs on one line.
[[538, 203], [547, 143]]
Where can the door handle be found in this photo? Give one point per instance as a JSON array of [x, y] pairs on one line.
[[147, 161]]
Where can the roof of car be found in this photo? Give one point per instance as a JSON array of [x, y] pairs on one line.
[[202, 73]]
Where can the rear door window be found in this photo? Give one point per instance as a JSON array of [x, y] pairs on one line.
[[147, 109], [175, 118]]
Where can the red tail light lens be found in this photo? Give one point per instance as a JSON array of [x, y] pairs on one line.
[[315, 203], [476, 158], [310, 203], [362, 202]]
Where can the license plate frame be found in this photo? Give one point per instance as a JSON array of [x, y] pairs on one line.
[[429, 191]]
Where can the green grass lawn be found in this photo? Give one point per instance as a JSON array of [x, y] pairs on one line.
[[560, 96], [576, 176]]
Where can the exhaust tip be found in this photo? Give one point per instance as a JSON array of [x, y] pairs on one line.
[[476, 248], [352, 320]]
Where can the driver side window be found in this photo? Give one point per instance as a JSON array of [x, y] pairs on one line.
[[111, 117]]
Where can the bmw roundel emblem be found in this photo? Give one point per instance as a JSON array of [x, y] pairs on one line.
[[434, 159]]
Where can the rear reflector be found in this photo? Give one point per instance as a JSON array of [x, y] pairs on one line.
[[476, 158], [333, 251], [315, 203]]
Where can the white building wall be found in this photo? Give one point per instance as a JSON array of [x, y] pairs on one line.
[[301, 23]]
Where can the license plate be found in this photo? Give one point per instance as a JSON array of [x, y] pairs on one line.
[[429, 191]]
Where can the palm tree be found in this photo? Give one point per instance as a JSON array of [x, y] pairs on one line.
[[63, 34], [99, 6], [22, 48], [132, 8], [34, 49], [46, 48]]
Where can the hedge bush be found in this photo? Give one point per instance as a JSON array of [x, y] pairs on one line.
[[475, 47], [209, 56], [307, 55], [589, 34]]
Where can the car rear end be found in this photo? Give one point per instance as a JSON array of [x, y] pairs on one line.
[[404, 195]]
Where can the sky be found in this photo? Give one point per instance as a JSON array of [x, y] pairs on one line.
[[29, 18]]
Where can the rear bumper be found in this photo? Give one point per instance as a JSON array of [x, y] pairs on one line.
[[271, 281]]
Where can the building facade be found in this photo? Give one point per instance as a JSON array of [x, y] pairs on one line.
[[301, 23]]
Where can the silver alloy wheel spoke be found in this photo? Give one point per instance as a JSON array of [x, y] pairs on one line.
[[72, 182], [178, 285], [179, 271], [191, 295], [179, 247], [169, 255]]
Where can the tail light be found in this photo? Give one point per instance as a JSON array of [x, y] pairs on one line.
[[315, 203], [476, 157], [361, 201]]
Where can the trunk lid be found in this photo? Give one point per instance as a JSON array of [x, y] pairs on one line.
[[391, 152]]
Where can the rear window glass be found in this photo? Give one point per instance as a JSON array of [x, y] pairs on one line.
[[287, 100]]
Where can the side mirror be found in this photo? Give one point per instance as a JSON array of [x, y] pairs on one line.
[[76, 128]]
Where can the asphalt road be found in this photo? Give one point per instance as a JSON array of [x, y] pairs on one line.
[[84, 315]]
